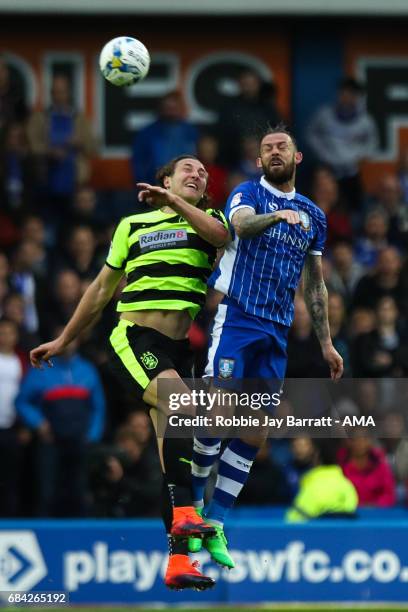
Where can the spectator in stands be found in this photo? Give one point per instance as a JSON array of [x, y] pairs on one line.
[[395, 443], [65, 406], [14, 310], [4, 280], [80, 253], [4, 266], [25, 278], [247, 114], [63, 142], [304, 355], [383, 351], [16, 171], [33, 228], [234, 178], [368, 397], [62, 299], [125, 478], [9, 234], [403, 174], [247, 164], [324, 491], [139, 422], [385, 280], [338, 331], [11, 372], [207, 152], [373, 240], [4, 290], [266, 483], [342, 136], [301, 459], [168, 137], [345, 271], [13, 106], [361, 321], [389, 199], [325, 193], [84, 210], [366, 467]]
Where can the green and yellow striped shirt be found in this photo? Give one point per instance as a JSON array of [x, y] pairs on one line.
[[166, 262]]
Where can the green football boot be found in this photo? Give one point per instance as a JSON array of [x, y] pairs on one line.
[[195, 544], [217, 547]]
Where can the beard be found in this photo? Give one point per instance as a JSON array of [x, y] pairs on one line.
[[278, 175]]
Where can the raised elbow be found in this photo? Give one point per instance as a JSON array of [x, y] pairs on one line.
[[221, 237]]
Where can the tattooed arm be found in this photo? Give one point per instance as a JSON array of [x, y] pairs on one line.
[[248, 224], [315, 295]]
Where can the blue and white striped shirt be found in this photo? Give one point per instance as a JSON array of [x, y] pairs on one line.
[[261, 273]]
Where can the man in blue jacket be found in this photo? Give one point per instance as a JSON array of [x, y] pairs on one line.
[[65, 405], [168, 137]]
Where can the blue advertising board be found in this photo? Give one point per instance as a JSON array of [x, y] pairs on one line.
[[124, 561]]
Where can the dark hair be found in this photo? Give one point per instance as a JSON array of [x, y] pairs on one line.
[[169, 169], [327, 450], [280, 128], [351, 84]]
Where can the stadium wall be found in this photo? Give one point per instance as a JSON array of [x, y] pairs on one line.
[[123, 561], [305, 57]]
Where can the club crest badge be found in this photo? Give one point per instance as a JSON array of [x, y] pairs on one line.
[[225, 367], [304, 220], [149, 360]]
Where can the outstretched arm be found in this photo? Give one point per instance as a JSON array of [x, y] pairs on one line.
[[248, 224], [86, 314], [315, 295], [210, 229]]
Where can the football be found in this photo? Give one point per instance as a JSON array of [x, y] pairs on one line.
[[124, 61]]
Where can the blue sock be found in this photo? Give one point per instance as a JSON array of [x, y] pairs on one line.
[[205, 452], [234, 466]]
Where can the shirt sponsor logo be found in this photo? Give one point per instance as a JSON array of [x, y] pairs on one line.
[[289, 238], [162, 239]]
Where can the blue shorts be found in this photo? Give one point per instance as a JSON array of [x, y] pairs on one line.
[[245, 346]]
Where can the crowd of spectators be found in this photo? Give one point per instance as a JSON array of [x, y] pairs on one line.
[[71, 442]]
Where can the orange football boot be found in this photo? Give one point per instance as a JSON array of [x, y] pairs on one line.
[[186, 522], [182, 574]]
